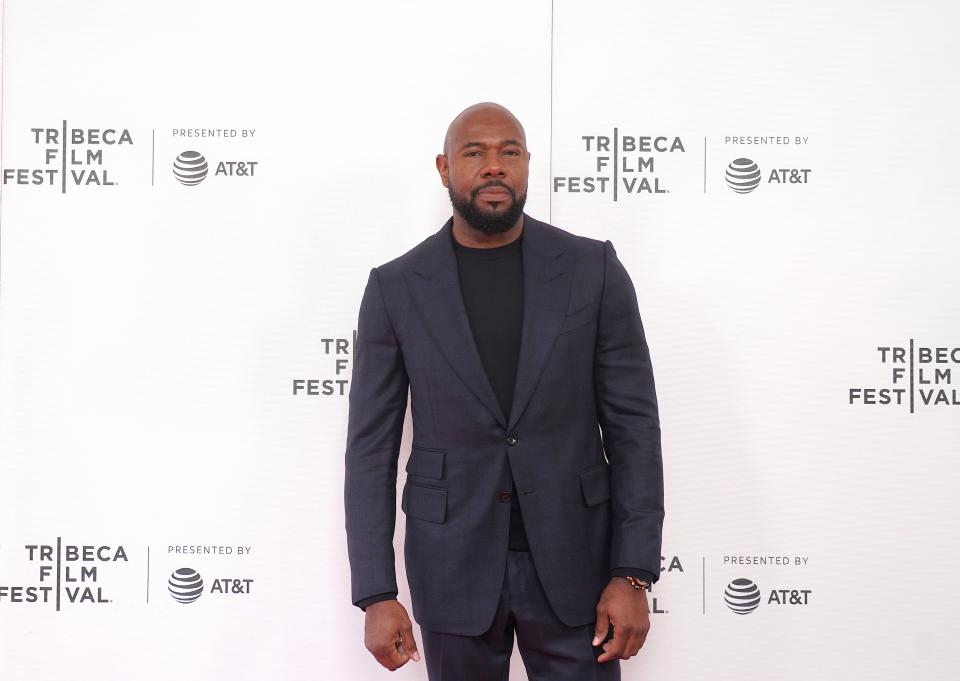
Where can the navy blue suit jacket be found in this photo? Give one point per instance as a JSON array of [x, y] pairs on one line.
[[582, 441]]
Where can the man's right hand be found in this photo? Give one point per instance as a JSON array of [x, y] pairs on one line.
[[388, 634]]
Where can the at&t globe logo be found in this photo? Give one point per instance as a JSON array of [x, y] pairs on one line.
[[743, 175], [742, 596], [185, 585], [190, 168]]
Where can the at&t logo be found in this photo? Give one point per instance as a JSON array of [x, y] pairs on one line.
[[743, 596], [185, 585], [743, 175], [191, 168]]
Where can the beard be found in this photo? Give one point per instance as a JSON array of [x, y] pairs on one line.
[[484, 220]]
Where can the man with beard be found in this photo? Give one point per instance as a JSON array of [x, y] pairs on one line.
[[534, 489]]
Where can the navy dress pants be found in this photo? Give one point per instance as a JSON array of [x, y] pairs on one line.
[[551, 651]]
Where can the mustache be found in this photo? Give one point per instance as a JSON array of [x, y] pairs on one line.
[[493, 183]]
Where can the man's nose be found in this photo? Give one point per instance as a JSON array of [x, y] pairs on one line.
[[494, 168]]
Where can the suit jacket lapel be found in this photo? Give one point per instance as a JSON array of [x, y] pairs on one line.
[[435, 289], [546, 295]]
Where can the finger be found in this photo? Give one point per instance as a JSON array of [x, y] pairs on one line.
[[631, 647], [404, 654], [383, 657], [408, 643], [610, 653], [600, 630], [643, 636], [638, 639], [615, 648], [398, 656]]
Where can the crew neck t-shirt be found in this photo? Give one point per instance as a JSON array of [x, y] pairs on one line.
[[491, 281]]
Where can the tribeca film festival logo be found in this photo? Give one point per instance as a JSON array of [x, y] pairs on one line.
[[667, 565], [743, 174], [742, 595], [336, 385], [191, 166], [67, 574], [621, 164], [70, 157], [186, 584], [920, 376]]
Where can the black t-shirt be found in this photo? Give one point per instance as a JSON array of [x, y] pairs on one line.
[[491, 280]]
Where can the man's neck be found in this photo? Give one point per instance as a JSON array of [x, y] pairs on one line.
[[474, 238]]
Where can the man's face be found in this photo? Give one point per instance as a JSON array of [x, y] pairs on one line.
[[485, 168]]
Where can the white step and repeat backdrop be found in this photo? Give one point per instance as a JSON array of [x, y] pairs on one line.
[[194, 193]]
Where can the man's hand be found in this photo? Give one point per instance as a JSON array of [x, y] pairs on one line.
[[388, 634], [626, 609]]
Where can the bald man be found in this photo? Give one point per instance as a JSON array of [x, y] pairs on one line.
[[534, 488]]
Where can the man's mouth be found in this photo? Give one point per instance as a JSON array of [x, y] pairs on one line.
[[494, 194]]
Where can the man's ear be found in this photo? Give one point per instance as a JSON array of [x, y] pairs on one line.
[[443, 169]]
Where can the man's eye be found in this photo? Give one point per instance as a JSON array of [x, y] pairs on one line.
[[472, 153], [512, 152]]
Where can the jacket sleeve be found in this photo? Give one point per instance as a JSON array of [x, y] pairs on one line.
[[378, 403], [634, 572], [629, 422]]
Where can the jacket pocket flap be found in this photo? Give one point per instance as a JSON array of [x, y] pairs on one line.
[[595, 484], [425, 503], [426, 462]]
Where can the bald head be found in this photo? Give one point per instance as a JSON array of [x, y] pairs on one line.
[[484, 166], [482, 114]]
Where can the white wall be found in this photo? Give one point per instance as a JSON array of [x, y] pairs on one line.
[[151, 332]]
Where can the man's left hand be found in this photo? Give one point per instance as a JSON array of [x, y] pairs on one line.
[[626, 609]]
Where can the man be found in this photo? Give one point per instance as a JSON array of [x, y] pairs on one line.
[[534, 490]]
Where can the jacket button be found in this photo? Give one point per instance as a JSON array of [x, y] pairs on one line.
[[504, 496], [511, 440]]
